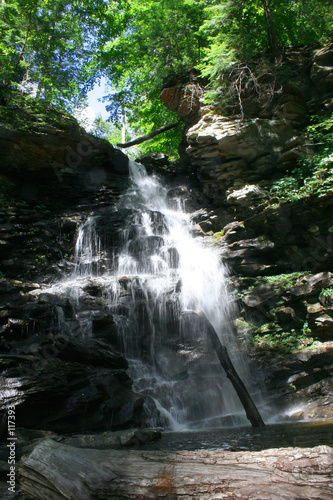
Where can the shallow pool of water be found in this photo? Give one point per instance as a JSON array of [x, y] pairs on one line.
[[247, 438]]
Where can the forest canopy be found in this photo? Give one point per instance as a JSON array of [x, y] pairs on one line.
[[57, 50]]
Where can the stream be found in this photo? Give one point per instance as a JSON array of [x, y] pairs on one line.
[[294, 434]]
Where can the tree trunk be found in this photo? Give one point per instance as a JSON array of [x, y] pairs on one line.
[[123, 125], [250, 408], [56, 471], [152, 134], [271, 29]]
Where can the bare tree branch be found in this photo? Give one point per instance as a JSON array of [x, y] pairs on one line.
[[152, 134]]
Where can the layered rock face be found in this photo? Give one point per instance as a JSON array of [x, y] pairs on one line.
[[233, 155], [230, 153], [259, 137], [279, 253]]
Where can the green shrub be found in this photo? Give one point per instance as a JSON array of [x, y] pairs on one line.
[[327, 292], [283, 280], [314, 174], [271, 336]]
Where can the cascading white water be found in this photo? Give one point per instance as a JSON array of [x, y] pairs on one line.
[[174, 273], [87, 253], [180, 256], [161, 277]]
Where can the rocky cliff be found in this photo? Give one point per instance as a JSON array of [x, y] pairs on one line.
[[279, 251]]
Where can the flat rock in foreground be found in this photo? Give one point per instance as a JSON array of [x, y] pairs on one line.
[[57, 471]]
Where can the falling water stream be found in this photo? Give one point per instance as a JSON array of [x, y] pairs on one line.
[[154, 284]]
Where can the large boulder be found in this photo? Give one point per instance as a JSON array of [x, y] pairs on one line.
[[183, 94], [236, 138]]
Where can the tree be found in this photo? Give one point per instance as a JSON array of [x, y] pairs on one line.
[[270, 27], [106, 130], [60, 48], [154, 41], [239, 32], [51, 45], [258, 27]]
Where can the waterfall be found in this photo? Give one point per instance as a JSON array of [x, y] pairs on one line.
[[162, 275]]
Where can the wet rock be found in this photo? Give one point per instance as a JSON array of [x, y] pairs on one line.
[[285, 315], [158, 222], [103, 326], [93, 290], [171, 365], [27, 439], [144, 246], [312, 285], [173, 258], [25, 436], [154, 160], [69, 396], [301, 379], [244, 254], [234, 231], [259, 296], [178, 192], [246, 196], [53, 161], [88, 351], [257, 245], [206, 226], [68, 383]]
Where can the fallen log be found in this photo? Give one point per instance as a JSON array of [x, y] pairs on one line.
[[147, 137], [56, 471], [250, 408]]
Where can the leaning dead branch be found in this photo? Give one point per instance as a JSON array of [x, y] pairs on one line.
[[147, 137]]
